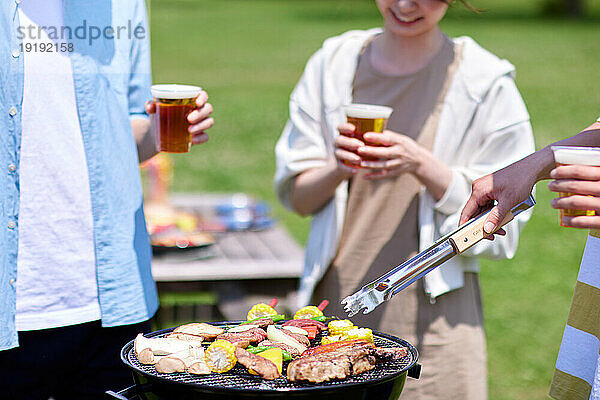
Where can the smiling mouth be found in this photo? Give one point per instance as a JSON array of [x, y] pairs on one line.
[[405, 20]]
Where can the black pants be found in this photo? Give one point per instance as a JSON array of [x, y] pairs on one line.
[[73, 362]]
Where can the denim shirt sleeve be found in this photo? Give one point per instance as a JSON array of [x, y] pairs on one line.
[[140, 75]]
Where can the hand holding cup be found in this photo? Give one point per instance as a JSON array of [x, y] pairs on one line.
[[181, 116], [346, 146], [389, 154], [577, 181], [361, 118]]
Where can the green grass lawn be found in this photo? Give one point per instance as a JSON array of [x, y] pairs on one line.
[[249, 54]]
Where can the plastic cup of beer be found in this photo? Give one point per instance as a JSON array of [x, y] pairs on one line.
[[367, 118], [173, 105], [570, 155]]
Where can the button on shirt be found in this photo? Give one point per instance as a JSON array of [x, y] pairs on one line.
[[55, 261], [111, 79]]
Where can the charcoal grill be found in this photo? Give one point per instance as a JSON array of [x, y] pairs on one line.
[[385, 381]]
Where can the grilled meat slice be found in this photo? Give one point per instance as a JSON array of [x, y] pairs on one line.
[[244, 339], [291, 350], [390, 353], [263, 322], [340, 363], [263, 367], [319, 368], [237, 340], [363, 364], [301, 323]]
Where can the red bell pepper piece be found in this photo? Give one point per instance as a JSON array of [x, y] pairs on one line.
[[312, 331], [325, 348]]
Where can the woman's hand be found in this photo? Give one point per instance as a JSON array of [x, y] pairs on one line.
[[199, 119], [391, 154], [346, 146], [584, 182]]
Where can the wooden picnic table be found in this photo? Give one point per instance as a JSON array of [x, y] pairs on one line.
[[240, 269]]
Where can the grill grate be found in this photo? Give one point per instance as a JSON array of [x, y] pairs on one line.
[[238, 378]]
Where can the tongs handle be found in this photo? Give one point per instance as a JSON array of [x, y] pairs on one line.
[[472, 232]]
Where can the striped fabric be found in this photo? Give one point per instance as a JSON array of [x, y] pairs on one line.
[[577, 376]]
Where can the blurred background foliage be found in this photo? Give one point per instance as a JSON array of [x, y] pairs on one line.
[[249, 54]]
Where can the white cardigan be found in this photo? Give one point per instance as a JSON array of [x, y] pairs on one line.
[[484, 126]]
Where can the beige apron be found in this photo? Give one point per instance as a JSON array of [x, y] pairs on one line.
[[381, 231]]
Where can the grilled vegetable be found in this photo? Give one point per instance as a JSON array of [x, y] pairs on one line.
[[197, 329], [242, 328], [220, 356], [273, 354], [147, 349], [257, 364], [308, 312], [339, 326], [275, 335], [295, 329], [199, 368], [260, 310], [170, 364], [359, 333], [331, 339], [274, 318], [183, 361], [311, 311], [312, 331], [258, 349], [325, 348], [303, 323]]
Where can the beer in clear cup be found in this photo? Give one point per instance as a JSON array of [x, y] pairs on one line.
[[173, 105], [367, 118], [571, 155]]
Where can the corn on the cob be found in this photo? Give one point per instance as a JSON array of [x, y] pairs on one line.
[[308, 312], [330, 339], [220, 356], [260, 310], [359, 333], [339, 326]]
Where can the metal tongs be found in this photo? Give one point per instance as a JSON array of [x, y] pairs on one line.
[[385, 287]]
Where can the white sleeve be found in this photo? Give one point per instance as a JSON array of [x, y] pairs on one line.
[[302, 145], [505, 137]]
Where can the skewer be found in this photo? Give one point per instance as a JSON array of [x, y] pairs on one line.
[[323, 304]]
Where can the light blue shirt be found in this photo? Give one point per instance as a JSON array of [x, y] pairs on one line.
[[111, 76]]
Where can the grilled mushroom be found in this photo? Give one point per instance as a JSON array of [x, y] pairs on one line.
[[184, 361], [147, 349], [196, 329], [158, 346]]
